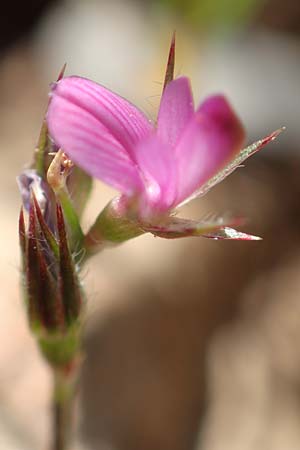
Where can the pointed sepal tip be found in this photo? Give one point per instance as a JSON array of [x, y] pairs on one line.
[[169, 76]]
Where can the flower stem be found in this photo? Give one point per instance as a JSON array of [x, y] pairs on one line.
[[63, 393]]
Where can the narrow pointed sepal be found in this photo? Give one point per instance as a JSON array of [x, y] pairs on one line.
[[50, 303], [45, 230], [61, 73], [32, 273], [40, 151], [23, 252], [231, 234], [41, 155], [69, 285], [22, 237], [169, 76], [175, 228]]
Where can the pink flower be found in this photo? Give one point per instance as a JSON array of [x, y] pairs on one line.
[[155, 166], [113, 141]]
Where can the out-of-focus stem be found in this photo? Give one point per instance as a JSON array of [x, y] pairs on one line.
[[63, 399]]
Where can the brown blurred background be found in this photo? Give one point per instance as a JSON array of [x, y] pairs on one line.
[[190, 344]]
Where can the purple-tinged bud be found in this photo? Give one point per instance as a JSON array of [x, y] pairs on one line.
[[51, 286], [43, 301], [50, 282]]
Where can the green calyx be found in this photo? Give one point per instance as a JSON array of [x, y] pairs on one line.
[[111, 227], [60, 348]]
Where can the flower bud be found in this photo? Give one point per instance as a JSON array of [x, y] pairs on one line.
[[51, 286]]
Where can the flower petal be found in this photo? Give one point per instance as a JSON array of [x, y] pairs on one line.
[[158, 172], [176, 110], [122, 119], [244, 154], [213, 136], [80, 132]]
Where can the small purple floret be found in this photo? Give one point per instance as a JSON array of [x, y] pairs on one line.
[[29, 181]]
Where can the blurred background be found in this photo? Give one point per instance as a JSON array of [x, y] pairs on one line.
[[190, 344]]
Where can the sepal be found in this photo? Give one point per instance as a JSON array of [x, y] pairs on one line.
[[44, 147], [174, 227], [45, 231], [169, 75], [60, 349], [112, 226], [231, 233], [22, 238], [69, 284]]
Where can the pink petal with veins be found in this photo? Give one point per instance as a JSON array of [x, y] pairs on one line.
[[91, 145], [176, 110], [212, 137], [158, 170], [122, 119]]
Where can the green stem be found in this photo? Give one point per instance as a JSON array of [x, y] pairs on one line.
[[63, 393]]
